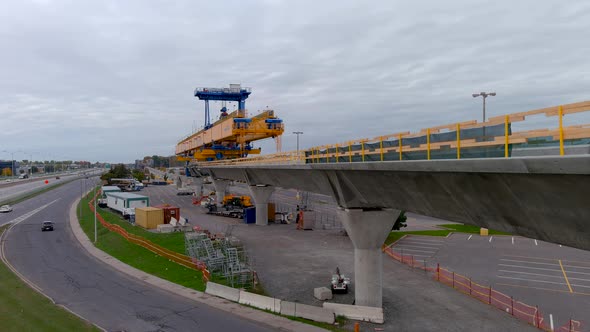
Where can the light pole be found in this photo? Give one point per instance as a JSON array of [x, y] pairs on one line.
[[484, 95], [95, 230], [298, 133]]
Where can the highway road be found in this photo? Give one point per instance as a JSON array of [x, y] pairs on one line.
[[63, 270]]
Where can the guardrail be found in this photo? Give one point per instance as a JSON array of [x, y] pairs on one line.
[[469, 139]]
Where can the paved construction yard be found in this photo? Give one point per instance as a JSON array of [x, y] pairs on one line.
[[291, 263]]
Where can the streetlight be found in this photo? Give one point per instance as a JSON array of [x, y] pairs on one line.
[[484, 95], [298, 133]]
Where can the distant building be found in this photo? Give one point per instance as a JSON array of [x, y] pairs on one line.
[[8, 164]]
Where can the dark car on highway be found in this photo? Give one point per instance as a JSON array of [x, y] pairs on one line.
[[47, 226]]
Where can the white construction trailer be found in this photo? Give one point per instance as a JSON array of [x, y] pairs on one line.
[[126, 202]]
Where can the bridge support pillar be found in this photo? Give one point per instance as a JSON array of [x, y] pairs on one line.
[[367, 230], [261, 194], [220, 189]]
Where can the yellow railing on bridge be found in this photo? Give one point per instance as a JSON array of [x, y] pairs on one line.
[[458, 139]]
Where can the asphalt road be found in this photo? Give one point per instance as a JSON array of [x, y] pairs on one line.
[[57, 264]]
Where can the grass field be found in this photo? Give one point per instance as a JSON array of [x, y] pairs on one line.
[[455, 228], [136, 256], [23, 309]]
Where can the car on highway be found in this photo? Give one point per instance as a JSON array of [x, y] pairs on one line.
[[57, 178], [5, 208], [8, 180], [47, 226]]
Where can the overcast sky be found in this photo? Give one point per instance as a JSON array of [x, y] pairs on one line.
[[114, 80]]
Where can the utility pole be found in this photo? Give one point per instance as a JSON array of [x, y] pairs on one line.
[[298, 133]]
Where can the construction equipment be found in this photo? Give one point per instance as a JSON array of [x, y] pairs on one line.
[[231, 135], [339, 283], [231, 206]]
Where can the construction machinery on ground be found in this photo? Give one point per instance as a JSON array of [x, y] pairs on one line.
[[339, 283], [232, 206], [231, 136]]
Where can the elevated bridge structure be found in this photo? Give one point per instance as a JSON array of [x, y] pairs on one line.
[[533, 183]]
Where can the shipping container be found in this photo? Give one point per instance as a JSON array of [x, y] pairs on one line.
[[169, 212], [149, 217]]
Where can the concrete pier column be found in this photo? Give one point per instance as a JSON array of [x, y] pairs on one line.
[[261, 194], [367, 230], [220, 189], [198, 183]]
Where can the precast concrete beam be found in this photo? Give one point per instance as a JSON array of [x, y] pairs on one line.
[[220, 189], [261, 194], [367, 230]]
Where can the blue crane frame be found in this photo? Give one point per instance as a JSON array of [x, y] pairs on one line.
[[226, 94]]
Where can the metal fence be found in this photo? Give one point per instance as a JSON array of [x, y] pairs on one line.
[[486, 294]]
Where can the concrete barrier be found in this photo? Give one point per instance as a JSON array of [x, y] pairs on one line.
[[357, 312], [307, 311], [260, 301], [225, 292]]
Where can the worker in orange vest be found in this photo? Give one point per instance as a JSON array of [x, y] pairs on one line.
[[299, 218]]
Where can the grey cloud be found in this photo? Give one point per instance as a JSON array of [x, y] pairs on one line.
[[82, 77]]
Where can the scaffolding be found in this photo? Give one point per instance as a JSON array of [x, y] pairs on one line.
[[221, 258]]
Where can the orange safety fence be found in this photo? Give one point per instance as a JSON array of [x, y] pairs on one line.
[[164, 252], [485, 294]]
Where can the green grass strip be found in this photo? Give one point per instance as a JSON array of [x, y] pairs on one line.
[[137, 256], [470, 229], [455, 228], [23, 309]]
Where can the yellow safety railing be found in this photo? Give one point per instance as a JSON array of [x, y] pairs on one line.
[[332, 153]]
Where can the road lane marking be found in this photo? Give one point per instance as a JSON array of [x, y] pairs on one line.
[[431, 252], [548, 259], [576, 267], [534, 274], [469, 238], [413, 246], [491, 237], [29, 214], [421, 243], [547, 282], [518, 261], [513, 240], [542, 288], [536, 243], [526, 267], [565, 276]]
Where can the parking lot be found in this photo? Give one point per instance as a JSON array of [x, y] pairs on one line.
[[555, 278]]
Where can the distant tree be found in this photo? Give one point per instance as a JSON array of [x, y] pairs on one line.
[[165, 177], [138, 175], [152, 176], [6, 172], [400, 222], [117, 172], [34, 169]]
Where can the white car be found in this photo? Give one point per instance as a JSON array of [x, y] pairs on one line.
[[5, 208]]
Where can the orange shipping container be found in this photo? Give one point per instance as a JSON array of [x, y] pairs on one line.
[[149, 217]]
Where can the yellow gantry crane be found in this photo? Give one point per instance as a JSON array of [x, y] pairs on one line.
[[231, 136]]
